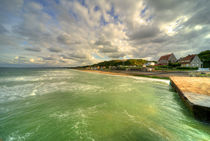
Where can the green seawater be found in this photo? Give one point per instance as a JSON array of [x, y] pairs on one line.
[[69, 105]]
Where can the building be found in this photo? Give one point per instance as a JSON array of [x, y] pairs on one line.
[[169, 58], [190, 61], [150, 64]]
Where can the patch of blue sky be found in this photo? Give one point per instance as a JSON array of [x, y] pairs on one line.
[[44, 3], [96, 8], [103, 22], [74, 15], [112, 13], [47, 8], [25, 43], [100, 57], [142, 13], [149, 19], [57, 1], [82, 2]]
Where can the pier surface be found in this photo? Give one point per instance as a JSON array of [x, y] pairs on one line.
[[195, 92]]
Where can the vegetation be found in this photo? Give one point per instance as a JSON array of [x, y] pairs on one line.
[[174, 68], [205, 58], [187, 68], [174, 64], [128, 62]]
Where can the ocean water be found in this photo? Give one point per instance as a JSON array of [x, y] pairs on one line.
[[69, 105]]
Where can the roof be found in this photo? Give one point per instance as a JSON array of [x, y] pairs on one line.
[[187, 59], [165, 57]]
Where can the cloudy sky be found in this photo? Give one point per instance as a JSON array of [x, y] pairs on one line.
[[82, 32]]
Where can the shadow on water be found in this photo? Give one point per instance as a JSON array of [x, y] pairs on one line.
[[179, 101], [185, 111], [133, 134]]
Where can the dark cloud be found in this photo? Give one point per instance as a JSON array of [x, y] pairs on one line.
[[33, 49], [56, 50], [116, 55], [102, 41], [64, 39], [200, 16], [144, 32], [108, 49], [105, 46], [163, 4], [2, 29], [76, 55], [48, 58]]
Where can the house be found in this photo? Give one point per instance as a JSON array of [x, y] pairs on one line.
[[169, 58], [150, 64], [190, 61]]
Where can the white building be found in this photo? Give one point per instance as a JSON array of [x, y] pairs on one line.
[[190, 61]]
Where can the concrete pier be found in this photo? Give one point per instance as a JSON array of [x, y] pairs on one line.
[[195, 92]]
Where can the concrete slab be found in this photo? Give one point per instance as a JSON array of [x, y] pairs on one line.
[[195, 92]]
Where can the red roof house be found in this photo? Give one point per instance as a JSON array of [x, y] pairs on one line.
[[164, 60], [190, 61]]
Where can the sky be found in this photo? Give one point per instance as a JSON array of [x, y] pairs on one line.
[[81, 32]]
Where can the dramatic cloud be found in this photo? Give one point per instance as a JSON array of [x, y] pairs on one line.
[[71, 33]]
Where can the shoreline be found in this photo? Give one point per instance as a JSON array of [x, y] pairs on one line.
[[167, 81], [154, 75]]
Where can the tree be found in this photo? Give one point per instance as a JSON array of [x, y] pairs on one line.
[[205, 58]]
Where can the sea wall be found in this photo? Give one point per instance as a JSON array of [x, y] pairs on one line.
[[198, 104]]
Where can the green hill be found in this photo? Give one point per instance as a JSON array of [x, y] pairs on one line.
[[128, 62]]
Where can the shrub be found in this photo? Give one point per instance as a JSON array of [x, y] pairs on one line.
[[187, 68]]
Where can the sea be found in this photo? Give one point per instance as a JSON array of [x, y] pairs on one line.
[[48, 104]]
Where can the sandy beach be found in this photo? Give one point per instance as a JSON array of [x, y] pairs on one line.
[[155, 74]]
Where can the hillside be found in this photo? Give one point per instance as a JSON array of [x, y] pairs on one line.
[[128, 62]]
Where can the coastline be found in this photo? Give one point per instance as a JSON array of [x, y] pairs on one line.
[[155, 75]]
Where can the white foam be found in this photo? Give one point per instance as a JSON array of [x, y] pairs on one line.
[[10, 93], [136, 77], [151, 79], [16, 137]]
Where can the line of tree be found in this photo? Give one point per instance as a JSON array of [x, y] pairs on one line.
[[128, 62]]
